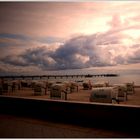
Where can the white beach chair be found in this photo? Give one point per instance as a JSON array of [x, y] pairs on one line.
[[102, 95]]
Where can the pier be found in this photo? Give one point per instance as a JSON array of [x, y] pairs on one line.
[[58, 76]]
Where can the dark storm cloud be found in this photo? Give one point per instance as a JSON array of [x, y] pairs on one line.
[[78, 52], [65, 56], [38, 56], [15, 60], [86, 46]]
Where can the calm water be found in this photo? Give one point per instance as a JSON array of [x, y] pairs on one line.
[[124, 75], [112, 80]]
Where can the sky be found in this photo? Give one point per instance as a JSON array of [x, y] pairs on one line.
[[37, 37]]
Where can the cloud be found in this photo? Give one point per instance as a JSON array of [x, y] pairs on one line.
[[50, 39], [134, 57], [8, 69], [15, 36], [102, 49], [39, 57], [82, 51], [116, 21], [15, 60]]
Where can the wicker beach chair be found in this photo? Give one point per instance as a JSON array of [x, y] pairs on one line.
[[87, 85], [58, 91], [73, 87], [130, 88], [5, 88], [121, 93], [37, 90]]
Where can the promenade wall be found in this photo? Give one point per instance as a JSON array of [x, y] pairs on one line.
[[106, 116]]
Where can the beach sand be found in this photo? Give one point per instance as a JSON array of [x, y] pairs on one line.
[[80, 96]]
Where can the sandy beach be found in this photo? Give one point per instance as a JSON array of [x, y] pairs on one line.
[[81, 95]]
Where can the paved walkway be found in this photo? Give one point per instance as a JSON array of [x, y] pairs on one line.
[[19, 127]]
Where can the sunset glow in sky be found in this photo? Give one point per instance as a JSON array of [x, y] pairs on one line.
[[41, 36]]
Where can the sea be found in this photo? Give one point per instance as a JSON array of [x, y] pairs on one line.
[[124, 75]]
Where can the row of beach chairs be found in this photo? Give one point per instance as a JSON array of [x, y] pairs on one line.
[[100, 92], [56, 89]]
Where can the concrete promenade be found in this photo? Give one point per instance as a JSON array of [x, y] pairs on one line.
[[21, 127]]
